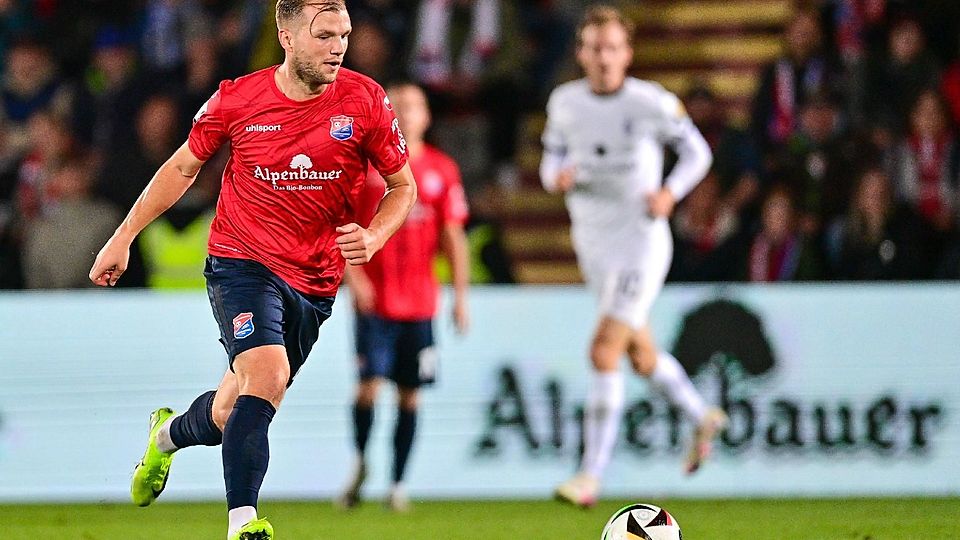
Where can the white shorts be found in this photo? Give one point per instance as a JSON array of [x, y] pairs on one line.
[[627, 287]]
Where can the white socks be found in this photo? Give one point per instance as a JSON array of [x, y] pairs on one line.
[[238, 517], [601, 421], [672, 382], [163, 440]]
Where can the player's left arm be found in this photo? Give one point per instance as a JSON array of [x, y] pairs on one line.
[[693, 160], [453, 241], [358, 244]]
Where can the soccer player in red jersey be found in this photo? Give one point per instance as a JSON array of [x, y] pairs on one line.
[[302, 136], [395, 295]]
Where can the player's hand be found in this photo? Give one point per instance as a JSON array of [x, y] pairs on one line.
[[110, 263], [661, 203], [566, 179], [461, 317], [357, 245]]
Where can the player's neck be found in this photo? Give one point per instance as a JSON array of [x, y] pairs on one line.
[[601, 89], [293, 87], [415, 148]]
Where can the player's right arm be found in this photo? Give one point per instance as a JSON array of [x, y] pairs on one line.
[[167, 186], [557, 173]]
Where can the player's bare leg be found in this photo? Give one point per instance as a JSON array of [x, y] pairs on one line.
[[669, 378], [602, 414], [366, 398]]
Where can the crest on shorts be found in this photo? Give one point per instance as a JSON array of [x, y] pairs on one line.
[[243, 325], [341, 127]]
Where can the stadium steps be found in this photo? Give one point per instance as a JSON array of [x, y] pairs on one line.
[[720, 43]]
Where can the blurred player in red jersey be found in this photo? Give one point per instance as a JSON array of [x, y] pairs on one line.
[[302, 136], [395, 295]]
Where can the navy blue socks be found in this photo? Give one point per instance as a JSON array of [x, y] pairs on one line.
[[403, 441], [362, 421], [246, 452], [195, 427]]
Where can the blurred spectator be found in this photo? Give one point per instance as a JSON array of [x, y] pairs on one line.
[[51, 144], [950, 87], [874, 240], [15, 20], [112, 92], [455, 42], [706, 241], [128, 169], [924, 167], [786, 83], [60, 245], [857, 27], [817, 162], [174, 246], [467, 56], [30, 84], [736, 163], [370, 52], [893, 81], [202, 78], [779, 252], [168, 26]]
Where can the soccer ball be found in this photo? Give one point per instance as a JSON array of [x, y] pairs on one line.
[[641, 522]]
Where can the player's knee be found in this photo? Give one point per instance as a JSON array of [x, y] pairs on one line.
[[643, 358], [604, 356], [367, 392], [220, 413], [408, 399]]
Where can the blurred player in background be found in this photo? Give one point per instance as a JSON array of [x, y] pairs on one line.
[[301, 141], [604, 148], [395, 295]]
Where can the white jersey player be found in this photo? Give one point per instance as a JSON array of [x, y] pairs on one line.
[[604, 148]]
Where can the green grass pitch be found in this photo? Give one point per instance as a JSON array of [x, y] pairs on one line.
[[782, 519]]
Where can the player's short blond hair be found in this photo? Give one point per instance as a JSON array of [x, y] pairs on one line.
[[601, 14], [287, 10]]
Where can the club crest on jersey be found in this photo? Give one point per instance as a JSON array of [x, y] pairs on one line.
[[341, 127], [243, 325]]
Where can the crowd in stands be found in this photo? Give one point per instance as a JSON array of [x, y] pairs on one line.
[[849, 167]]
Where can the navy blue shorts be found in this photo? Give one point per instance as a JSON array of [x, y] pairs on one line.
[[254, 307], [401, 351]]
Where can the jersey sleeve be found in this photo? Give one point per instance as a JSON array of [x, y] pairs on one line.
[[383, 143], [454, 208], [671, 116], [209, 130], [554, 142]]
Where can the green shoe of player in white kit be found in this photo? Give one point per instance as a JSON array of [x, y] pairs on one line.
[[258, 529], [150, 475]]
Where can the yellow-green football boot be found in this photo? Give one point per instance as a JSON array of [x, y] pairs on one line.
[[258, 529], [150, 475]]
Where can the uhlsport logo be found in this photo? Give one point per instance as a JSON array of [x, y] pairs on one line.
[[301, 166], [263, 128], [341, 127], [243, 325]]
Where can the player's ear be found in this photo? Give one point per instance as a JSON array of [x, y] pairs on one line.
[[286, 39]]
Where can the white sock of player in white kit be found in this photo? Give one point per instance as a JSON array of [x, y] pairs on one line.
[[238, 517], [672, 382], [601, 421]]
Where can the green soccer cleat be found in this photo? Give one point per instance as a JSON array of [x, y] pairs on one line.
[[258, 529], [150, 475]]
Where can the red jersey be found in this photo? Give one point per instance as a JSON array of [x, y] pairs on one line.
[[402, 272], [295, 170]]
